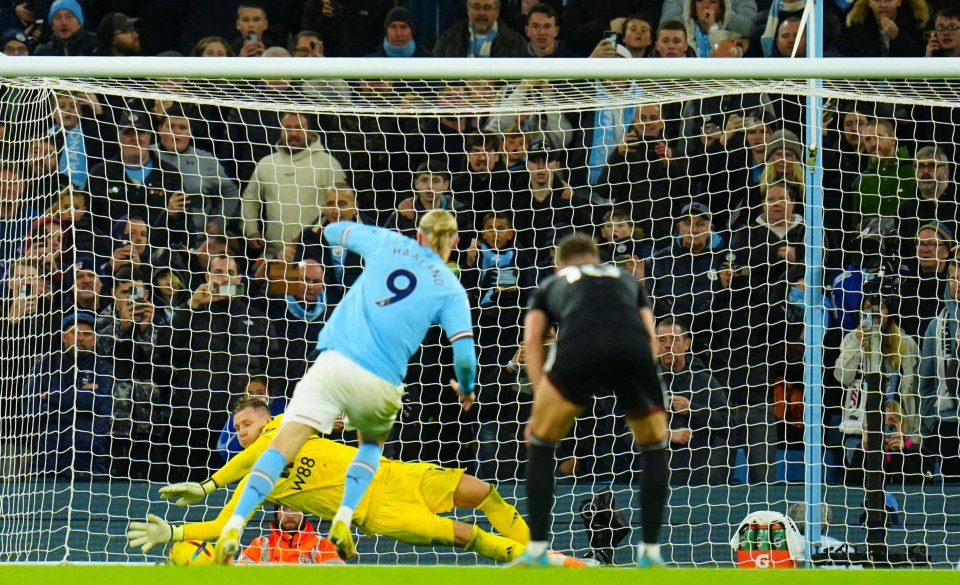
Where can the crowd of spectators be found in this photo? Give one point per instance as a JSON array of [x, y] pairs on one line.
[[162, 260]]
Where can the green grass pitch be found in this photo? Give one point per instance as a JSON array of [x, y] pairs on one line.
[[366, 575]]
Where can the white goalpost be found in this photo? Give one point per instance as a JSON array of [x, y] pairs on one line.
[[794, 222]]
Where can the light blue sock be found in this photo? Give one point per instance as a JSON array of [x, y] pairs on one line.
[[263, 476], [360, 473]]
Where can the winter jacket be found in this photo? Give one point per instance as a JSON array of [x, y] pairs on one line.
[[682, 283], [456, 40], [940, 368], [883, 186], [849, 369], [863, 37], [302, 547], [72, 396], [283, 185], [708, 401], [738, 17], [207, 182], [82, 44]]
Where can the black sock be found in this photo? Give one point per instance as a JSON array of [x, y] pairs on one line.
[[653, 493], [540, 469]]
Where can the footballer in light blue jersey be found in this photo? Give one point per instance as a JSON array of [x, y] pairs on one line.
[[404, 289]]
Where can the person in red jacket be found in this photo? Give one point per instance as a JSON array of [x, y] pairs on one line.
[[291, 540]]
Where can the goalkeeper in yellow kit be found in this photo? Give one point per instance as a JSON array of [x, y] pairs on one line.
[[403, 500]]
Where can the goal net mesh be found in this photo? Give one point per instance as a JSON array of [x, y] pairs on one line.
[[162, 256]]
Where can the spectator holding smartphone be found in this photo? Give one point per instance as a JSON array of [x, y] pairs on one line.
[[252, 24], [944, 39]]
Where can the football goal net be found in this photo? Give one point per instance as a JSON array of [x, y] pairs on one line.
[[161, 239]]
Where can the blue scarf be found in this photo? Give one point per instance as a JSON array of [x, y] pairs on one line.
[[138, 175], [405, 51], [480, 46], [503, 262], [302, 313], [73, 159], [607, 132], [703, 41]]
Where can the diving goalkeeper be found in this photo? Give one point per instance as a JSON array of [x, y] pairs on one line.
[[402, 503]]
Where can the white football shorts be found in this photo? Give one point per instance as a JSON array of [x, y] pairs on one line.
[[335, 385]]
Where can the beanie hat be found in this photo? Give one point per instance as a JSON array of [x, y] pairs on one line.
[[784, 140], [400, 14], [71, 5]]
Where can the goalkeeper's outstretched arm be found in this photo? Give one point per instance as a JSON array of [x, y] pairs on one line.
[[156, 531], [233, 470]]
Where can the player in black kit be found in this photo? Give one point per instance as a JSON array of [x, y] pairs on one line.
[[605, 343]]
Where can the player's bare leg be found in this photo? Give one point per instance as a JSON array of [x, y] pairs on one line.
[[262, 477], [650, 434], [360, 473], [550, 421]]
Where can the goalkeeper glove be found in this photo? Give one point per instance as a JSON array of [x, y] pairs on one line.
[[188, 492], [154, 531]]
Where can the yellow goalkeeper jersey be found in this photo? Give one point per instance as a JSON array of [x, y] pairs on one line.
[[313, 483]]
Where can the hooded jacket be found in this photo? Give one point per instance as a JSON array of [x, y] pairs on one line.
[[283, 185], [863, 37], [939, 368], [302, 547]]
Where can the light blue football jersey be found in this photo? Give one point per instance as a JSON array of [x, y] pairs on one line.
[[404, 289]]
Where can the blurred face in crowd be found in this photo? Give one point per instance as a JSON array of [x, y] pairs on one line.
[[885, 8], [288, 519], [777, 207], [933, 177], [215, 49], [542, 30], [249, 423], [67, 114], [650, 123], [134, 147], [138, 233], [252, 21], [399, 33], [223, 270], [308, 46], [313, 280], [637, 35], [783, 160], [43, 157], [88, 287], [80, 337], [948, 33], [482, 14], [296, 133], [515, 148], [340, 204], [430, 187], [11, 187], [694, 232], [672, 43], [65, 24], [481, 160], [616, 228], [954, 271], [931, 250], [708, 12], [175, 134], [497, 232], [787, 37], [673, 345], [878, 141], [541, 171], [127, 42], [15, 48], [853, 127], [757, 137]]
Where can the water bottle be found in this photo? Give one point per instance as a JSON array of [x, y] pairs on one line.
[[747, 535], [763, 537], [778, 536]]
